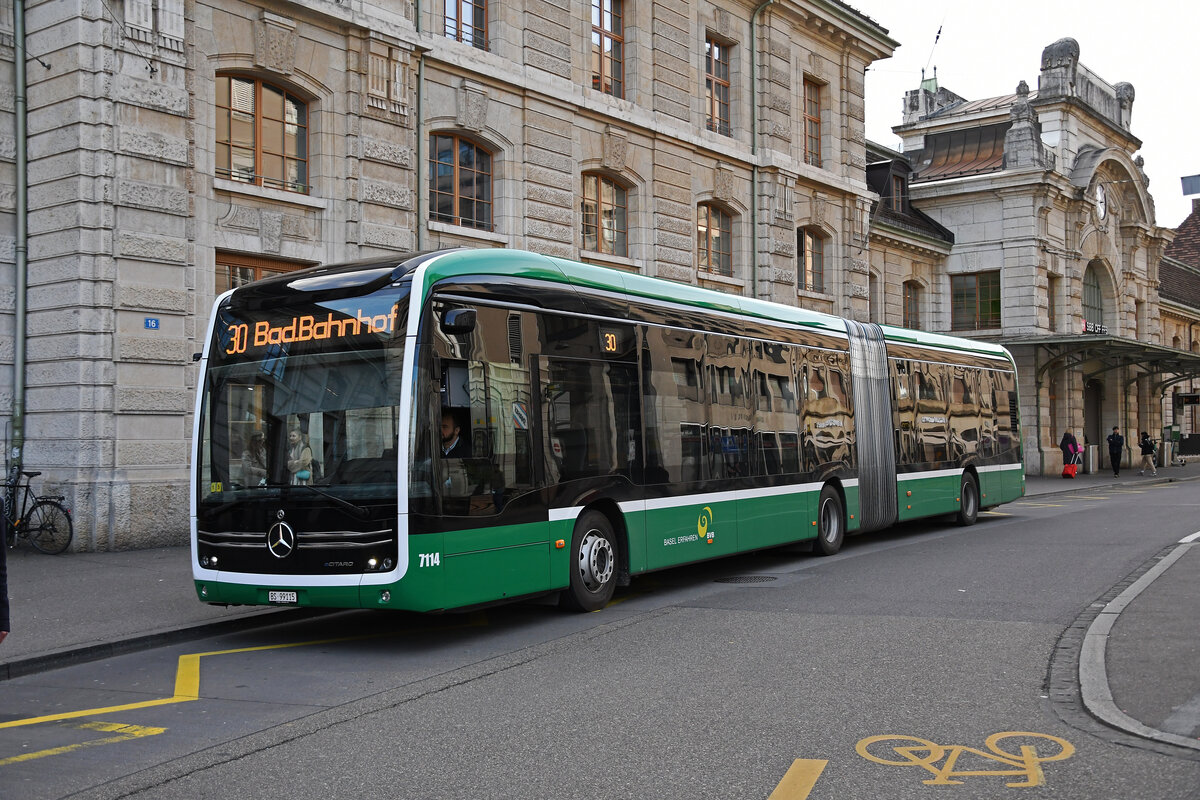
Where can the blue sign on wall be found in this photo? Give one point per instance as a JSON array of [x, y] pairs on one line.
[[151, 323]]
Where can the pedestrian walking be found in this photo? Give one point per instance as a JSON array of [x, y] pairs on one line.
[[1070, 453], [1148, 450], [1116, 444]]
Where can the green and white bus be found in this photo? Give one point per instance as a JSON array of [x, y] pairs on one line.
[[608, 424]]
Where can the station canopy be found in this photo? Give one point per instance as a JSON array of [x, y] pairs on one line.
[[1100, 353]]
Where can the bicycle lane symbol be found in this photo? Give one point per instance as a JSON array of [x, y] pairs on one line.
[[942, 761]]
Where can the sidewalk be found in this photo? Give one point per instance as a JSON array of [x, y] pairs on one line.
[[79, 607], [1141, 649]]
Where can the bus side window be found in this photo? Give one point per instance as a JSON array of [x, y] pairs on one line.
[[486, 384]]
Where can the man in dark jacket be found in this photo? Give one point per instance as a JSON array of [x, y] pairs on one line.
[[1116, 445]]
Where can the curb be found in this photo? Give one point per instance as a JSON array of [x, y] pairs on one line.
[[74, 656], [1093, 673], [1115, 484]]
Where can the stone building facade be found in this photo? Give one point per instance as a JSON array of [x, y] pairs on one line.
[[180, 147], [1056, 248], [1179, 307]]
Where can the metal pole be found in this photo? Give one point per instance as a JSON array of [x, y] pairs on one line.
[[17, 450]]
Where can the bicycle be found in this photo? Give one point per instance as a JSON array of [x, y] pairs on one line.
[[43, 519]]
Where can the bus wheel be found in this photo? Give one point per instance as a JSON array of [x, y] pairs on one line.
[[593, 564], [831, 523], [968, 495]]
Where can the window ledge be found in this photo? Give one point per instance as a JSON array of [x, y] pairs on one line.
[[467, 232], [607, 260], [265, 193], [822, 295], [714, 277]]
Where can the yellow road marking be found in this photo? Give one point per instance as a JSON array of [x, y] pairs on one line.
[[187, 677], [124, 734], [1037, 505], [904, 751], [799, 780], [995, 513], [187, 684]]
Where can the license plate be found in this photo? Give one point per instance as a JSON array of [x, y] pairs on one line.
[[281, 597]]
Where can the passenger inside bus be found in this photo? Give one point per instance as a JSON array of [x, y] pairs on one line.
[[454, 445]]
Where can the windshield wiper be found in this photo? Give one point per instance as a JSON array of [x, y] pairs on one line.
[[342, 503]]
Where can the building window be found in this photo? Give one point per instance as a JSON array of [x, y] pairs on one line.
[[1093, 298], [975, 301], [387, 79], [812, 123], [236, 269], [466, 21], [714, 233], [262, 134], [899, 186], [1052, 288], [605, 229], [912, 305], [811, 246], [608, 47], [716, 86], [460, 182]]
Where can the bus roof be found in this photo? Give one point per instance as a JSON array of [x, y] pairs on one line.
[[463, 262]]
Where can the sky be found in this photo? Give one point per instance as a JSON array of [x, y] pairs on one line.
[[986, 49]]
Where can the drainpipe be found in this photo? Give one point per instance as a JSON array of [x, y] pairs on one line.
[[754, 148], [418, 122], [1037, 413], [17, 451]]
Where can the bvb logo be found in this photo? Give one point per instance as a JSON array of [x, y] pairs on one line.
[[702, 525]]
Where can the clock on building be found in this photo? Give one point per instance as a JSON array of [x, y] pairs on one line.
[[1101, 201]]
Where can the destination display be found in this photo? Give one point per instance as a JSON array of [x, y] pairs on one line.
[[322, 326]]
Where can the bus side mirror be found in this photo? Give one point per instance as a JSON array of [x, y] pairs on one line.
[[458, 321]]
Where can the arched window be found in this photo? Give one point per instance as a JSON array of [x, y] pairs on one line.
[[605, 227], [460, 182], [714, 237], [811, 246], [262, 134], [912, 305], [1093, 298]]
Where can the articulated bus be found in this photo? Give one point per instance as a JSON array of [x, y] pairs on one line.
[[477, 426]]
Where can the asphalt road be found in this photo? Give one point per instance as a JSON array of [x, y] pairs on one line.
[[917, 663]]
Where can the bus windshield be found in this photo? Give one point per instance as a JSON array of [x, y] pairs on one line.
[[304, 395]]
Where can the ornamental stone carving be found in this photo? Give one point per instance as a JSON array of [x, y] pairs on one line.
[[723, 183], [472, 106], [240, 217], [819, 205], [721, 23], [615, 148], [275, 41], [270, 230]]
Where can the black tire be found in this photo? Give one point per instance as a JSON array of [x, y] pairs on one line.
[[48, 526], [831, 523], [593, 564], [968, 500]]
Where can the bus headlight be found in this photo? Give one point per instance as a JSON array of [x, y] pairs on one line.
[[387, 563], [385, 596], [372, 563]]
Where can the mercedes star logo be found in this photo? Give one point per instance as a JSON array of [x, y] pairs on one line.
[[281, 540]]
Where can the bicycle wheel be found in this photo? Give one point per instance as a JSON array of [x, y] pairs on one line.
[[48, 526]]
